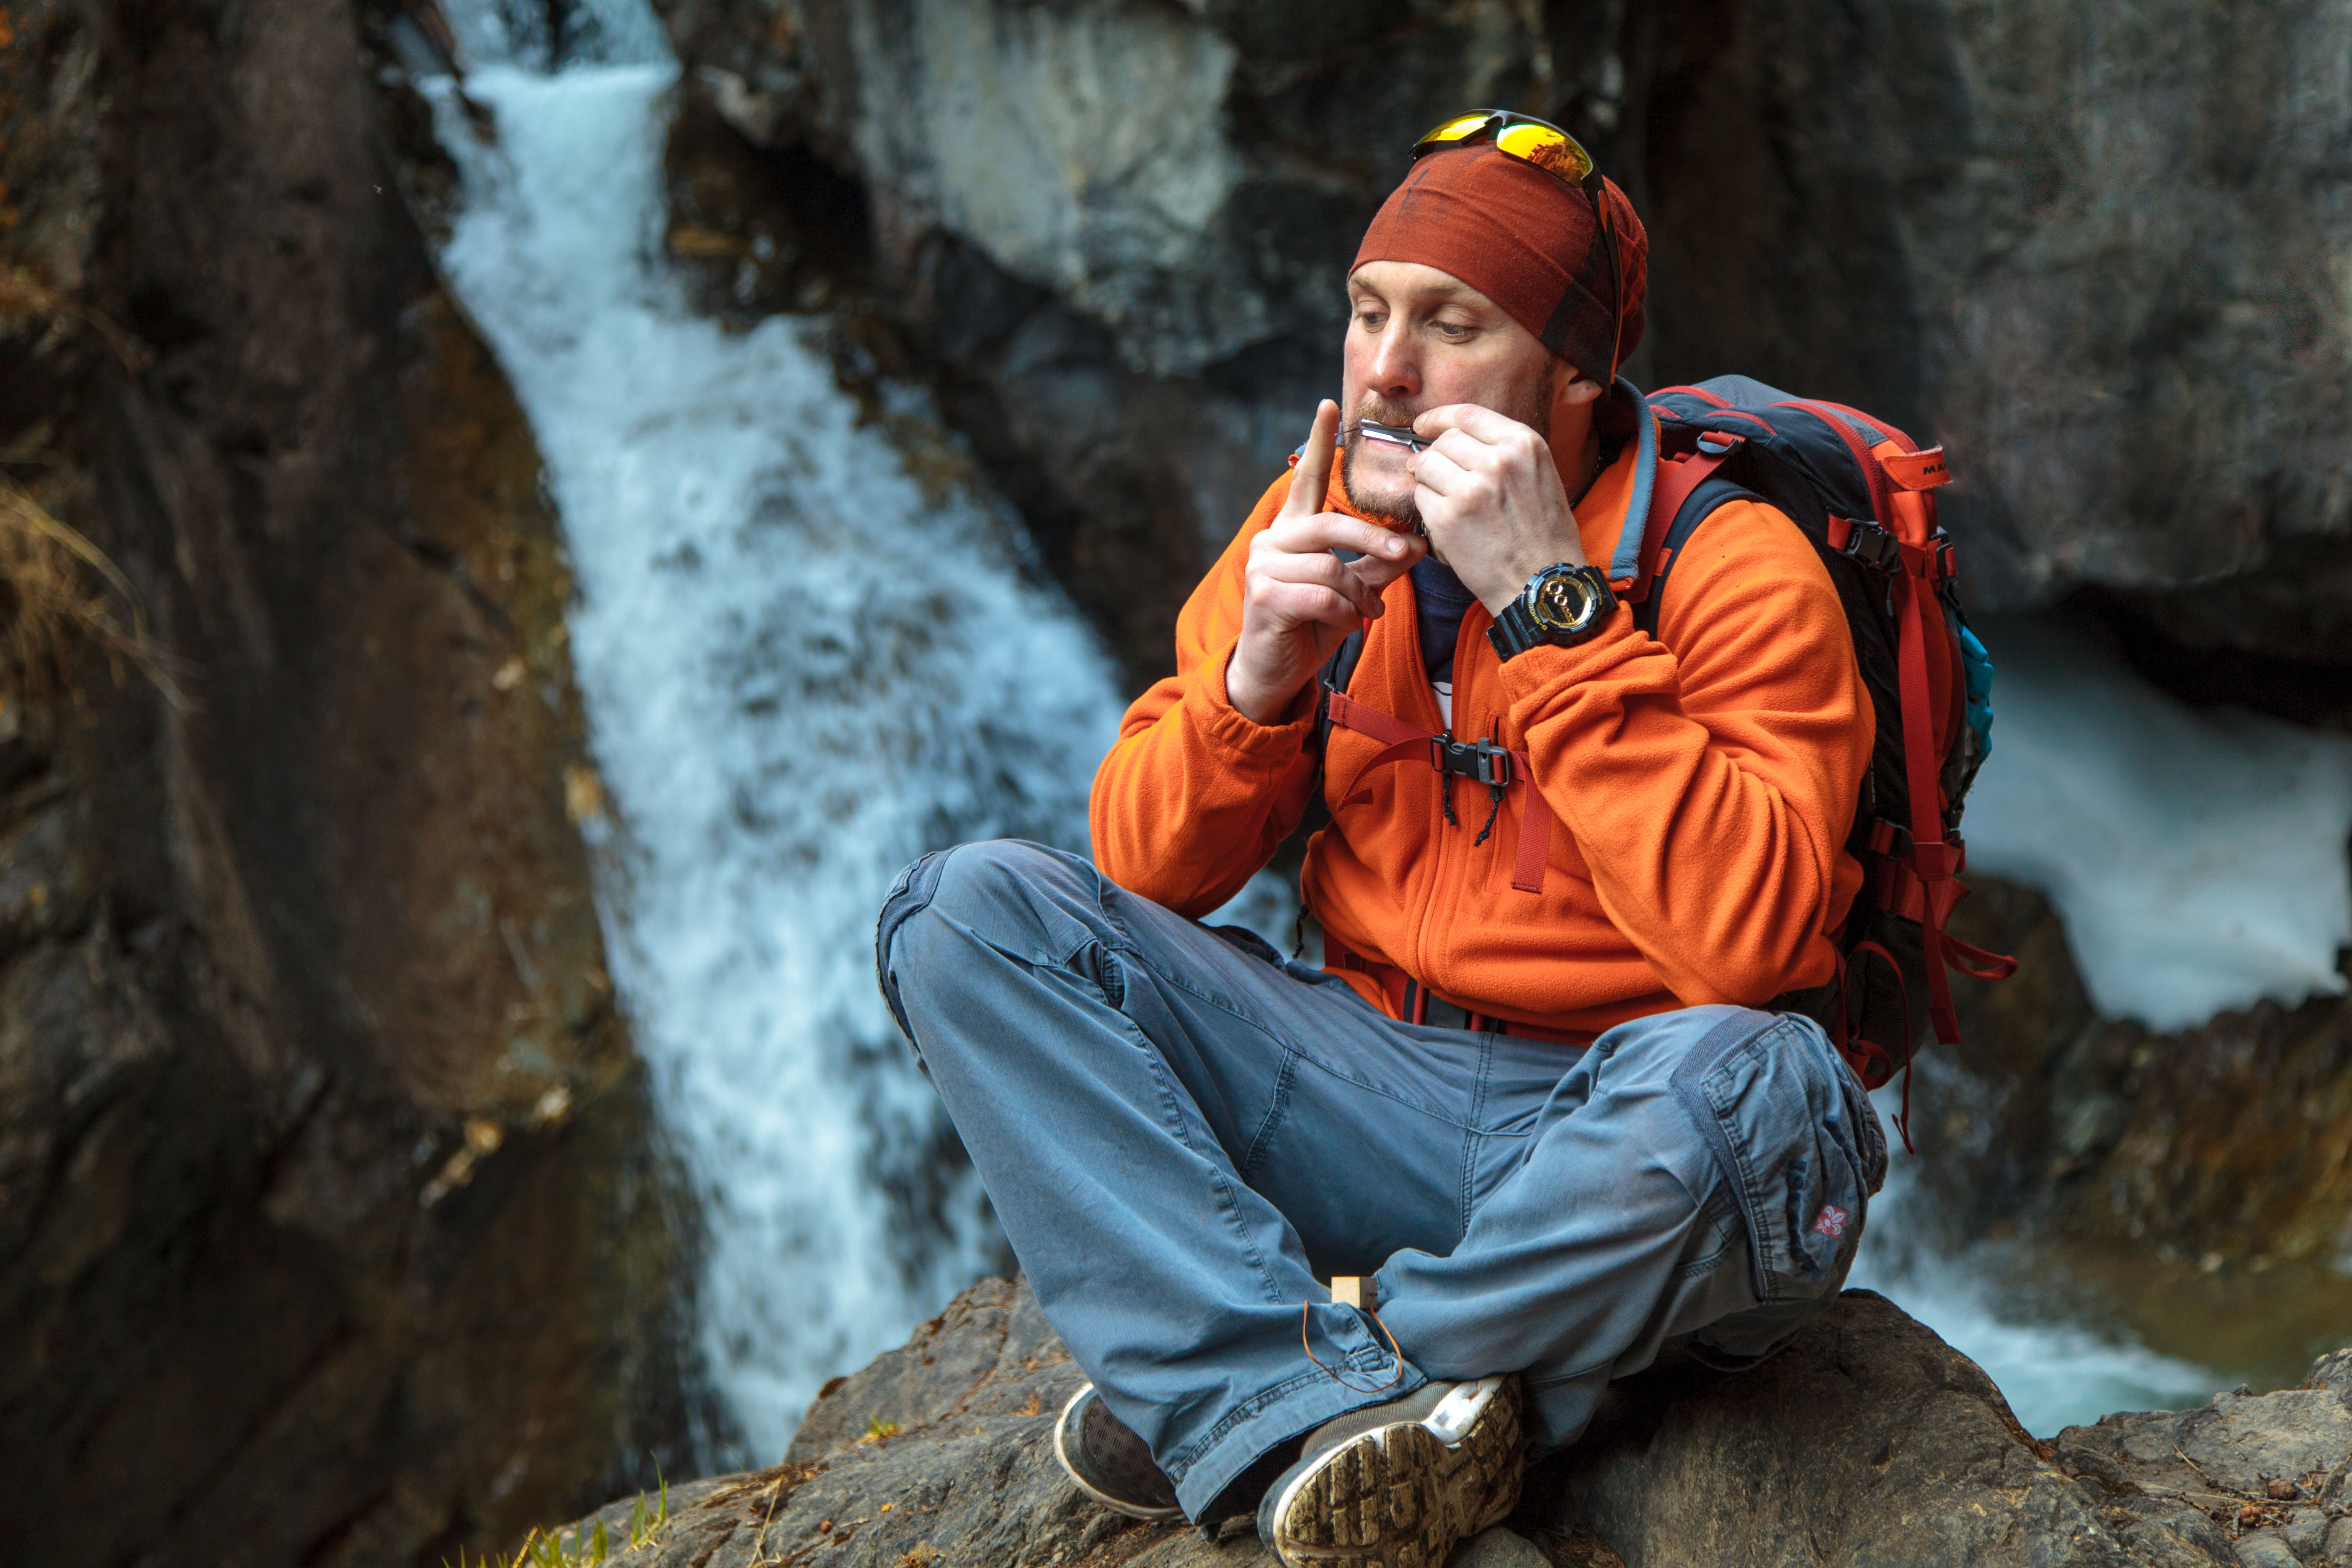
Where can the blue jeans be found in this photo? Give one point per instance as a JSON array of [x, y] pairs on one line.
[[1183, 1138]]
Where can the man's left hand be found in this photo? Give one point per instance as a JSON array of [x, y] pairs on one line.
[[1492, 501]]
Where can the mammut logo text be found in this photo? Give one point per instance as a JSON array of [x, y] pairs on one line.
[[1831, 1221]]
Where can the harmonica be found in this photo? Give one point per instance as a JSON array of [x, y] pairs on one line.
[[1394, 435]]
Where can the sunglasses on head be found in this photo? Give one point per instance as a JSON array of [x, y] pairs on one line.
[[1557, 153]]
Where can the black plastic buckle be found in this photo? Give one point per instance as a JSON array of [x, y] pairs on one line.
[[1488, 762], [1872, 545]]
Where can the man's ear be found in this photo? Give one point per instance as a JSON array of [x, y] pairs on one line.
[[1573, 390]]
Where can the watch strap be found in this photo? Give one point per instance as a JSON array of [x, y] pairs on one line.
[[1517, 629]]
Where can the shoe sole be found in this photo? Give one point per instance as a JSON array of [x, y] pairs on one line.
[[1402, 1496], [1117, 1505]]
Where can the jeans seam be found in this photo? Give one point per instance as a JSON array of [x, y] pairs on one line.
[[1172, 1111], [1472, 1139], [1279, 1103]]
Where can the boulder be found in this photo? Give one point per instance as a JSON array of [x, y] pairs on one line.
[[1868, 1440]]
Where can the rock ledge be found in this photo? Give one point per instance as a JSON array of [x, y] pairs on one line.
[[1868, 1441]]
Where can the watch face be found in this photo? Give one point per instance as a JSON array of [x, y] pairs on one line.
[[1562, 602]]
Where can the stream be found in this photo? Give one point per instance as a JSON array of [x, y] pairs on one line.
[[807, 658]]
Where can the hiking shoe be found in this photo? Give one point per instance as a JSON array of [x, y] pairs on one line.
[[1396, 1485], [1110, 1463]]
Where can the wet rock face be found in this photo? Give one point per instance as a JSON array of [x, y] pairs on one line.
[[1117, 234], [2075, 242], [331, 1227], [1868, 1440], [2218, 1143]]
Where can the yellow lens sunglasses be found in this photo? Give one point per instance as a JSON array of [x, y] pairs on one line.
[[1557, 153]]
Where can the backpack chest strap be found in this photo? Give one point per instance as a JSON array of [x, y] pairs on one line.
[[1497, 767]]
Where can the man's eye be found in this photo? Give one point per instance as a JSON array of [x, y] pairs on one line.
[[1370, 320], [1452, 332]]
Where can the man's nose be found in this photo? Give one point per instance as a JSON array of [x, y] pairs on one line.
[[1394, 371]]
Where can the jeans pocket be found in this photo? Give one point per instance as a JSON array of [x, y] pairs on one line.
[[909, 894], [1798, 1144]]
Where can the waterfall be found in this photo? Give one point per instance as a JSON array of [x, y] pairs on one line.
[[800, 671]]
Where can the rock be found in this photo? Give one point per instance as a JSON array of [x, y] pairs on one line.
[[2239, 1445], [1500, 1547], [2261, 1549], [2334, 1371], [1868, 1440], [2238, 1462], [332, 1226], [2336, 1547], [1989, 267], [992, 1328]]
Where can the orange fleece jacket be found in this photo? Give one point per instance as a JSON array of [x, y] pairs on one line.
[[1702, 787]]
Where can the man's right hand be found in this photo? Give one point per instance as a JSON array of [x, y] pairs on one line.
[[1298, 600]]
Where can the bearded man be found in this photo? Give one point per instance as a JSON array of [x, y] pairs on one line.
[[1339, 1245]]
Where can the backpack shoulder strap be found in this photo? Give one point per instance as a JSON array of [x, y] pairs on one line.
[[1337, 672], [1700, 505], [1687, 491]]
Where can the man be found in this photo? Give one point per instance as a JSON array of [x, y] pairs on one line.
[[1530, 1096]]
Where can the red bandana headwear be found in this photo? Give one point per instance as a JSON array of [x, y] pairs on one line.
[[1522, 239]]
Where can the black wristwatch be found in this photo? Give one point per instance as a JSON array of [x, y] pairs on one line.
[[1562, 605]]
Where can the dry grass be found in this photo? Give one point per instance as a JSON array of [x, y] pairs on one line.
[[575, 1548], [25, 301], [59, 592]]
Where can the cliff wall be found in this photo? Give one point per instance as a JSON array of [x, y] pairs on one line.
[[2096, 248], [332, 1229]]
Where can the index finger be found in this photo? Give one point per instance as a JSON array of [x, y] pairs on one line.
[[1336, 531], [1312, 477], [1474, 420]]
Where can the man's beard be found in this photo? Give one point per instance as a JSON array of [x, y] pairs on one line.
[[1395, 504]]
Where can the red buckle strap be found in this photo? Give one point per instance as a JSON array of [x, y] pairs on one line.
[[1935, 561], [1995, 965], [1366, 720], [1496, 766]]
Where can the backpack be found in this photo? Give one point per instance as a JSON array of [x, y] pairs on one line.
[[1862, 493]]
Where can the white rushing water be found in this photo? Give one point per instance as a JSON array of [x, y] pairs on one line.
[[801, 670], [2198, 858], [2054, 1370]]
